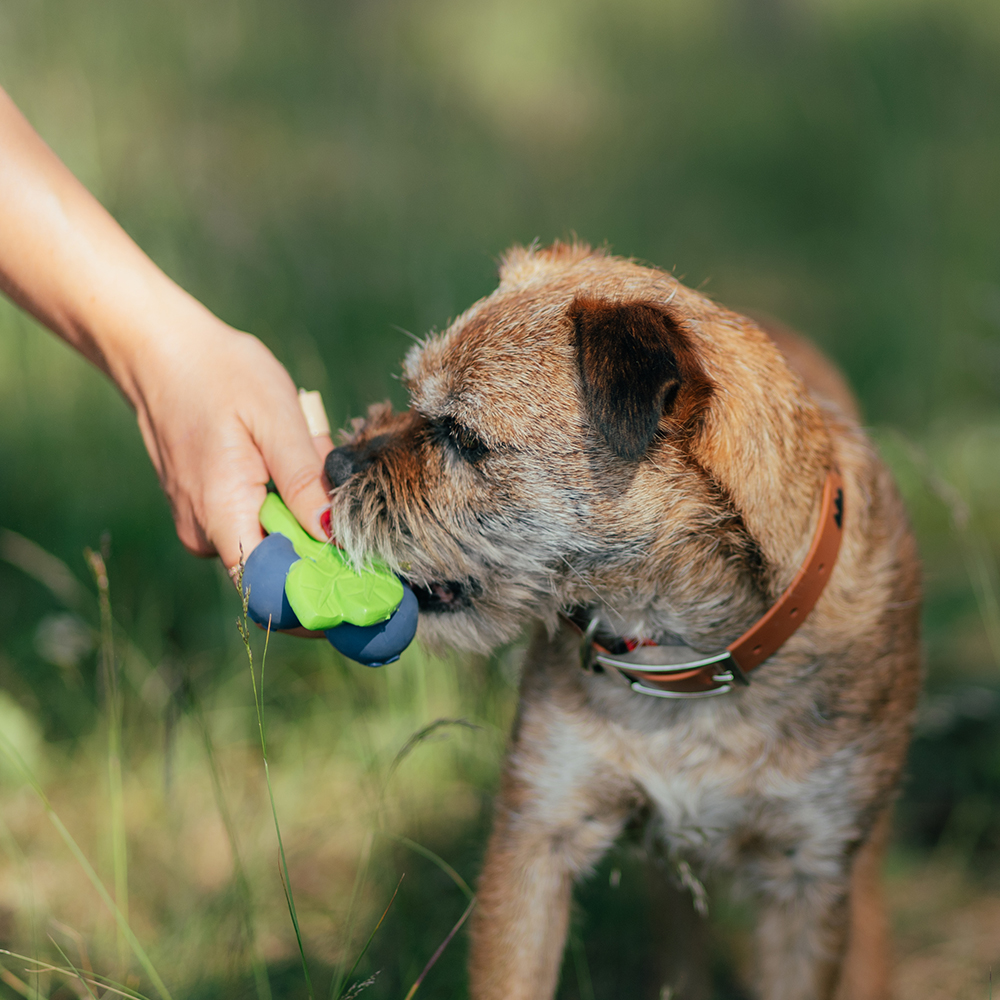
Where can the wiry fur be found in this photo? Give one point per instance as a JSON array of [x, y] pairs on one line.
[[526, 479]]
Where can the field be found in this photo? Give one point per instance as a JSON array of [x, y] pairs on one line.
[[328, 176]]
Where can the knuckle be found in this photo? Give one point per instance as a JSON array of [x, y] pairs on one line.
[[299, 484]]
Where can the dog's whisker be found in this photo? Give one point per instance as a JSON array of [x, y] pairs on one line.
[[593, 589], [406, 333]]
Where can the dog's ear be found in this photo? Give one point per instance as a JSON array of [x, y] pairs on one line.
[[635, 366]]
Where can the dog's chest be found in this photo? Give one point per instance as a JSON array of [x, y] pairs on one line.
[[720, 789]]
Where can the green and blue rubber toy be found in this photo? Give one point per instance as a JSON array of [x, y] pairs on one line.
[[291, 579]]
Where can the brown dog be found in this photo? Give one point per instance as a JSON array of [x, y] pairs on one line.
[[595, 441]]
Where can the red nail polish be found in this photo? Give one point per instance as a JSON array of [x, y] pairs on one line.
[[324, 523]]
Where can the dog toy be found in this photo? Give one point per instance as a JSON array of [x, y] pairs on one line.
[[291, 579]]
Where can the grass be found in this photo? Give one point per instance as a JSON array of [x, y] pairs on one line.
[[342, 982], [121, 922], [286, 884], [113, 718]]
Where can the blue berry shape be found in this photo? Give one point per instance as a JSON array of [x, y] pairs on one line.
[[377, 645], [264, 576]]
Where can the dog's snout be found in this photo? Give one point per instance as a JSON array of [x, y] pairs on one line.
[[340, 465], [350, 459]]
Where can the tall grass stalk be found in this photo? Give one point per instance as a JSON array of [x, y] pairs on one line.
[[76, 971], [361, 954], [243, 626], [340, 980], [440, 950], [421, 736], [77, 938], [245, 893], [74, 848], [92, 978], [426, 852], [13, 849], [113, 711], [413, 741], [16, 984]]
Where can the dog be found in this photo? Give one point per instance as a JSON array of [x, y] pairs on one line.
[[599, 450]]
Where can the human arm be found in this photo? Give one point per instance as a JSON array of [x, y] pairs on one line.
[[218, 413]]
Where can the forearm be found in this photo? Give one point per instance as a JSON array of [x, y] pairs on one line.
[[218, 413], [67, 262]]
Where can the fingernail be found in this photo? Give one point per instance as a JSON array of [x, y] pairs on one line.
[[324, 523]]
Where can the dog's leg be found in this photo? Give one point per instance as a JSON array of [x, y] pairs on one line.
[[560, 808], [822, 936], [865, 974], [801, 934]]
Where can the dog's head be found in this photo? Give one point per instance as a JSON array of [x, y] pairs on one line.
[[572, 440]]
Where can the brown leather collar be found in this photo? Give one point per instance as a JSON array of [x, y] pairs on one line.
[[681, 672]]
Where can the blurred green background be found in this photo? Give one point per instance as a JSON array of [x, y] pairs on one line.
[[327, 175]]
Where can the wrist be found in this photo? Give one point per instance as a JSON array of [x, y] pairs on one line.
[[161, 330]]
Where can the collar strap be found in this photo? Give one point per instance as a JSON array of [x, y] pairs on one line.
[[681, 672]]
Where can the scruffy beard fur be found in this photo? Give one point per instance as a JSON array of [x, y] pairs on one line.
[[595, 435]]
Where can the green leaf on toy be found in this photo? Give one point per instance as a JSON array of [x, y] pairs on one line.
[[322, 587]]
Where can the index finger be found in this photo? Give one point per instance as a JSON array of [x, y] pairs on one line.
[[296, 466], [235, 530]]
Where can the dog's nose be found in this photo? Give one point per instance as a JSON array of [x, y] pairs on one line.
[[340, 465]]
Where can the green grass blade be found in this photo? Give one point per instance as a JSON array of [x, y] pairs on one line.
[[16, 984], [261, 981], [440, 951], [81, 859], [287, 885], [339, 982], [76, 971], [420, 736], [361, 954], [258, 698], [437, 859], [113, 707], [94, 978]]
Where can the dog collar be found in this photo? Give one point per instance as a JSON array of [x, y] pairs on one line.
[[681, 672]]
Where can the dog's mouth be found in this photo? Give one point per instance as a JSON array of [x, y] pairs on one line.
[[452, 595]]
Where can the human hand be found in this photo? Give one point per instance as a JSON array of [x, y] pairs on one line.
[[220, 417], [218, 413]]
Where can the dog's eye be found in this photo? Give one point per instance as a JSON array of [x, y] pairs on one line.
[[468, 444]]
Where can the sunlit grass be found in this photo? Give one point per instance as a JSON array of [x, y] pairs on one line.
[[120, 918], [198, 850]]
